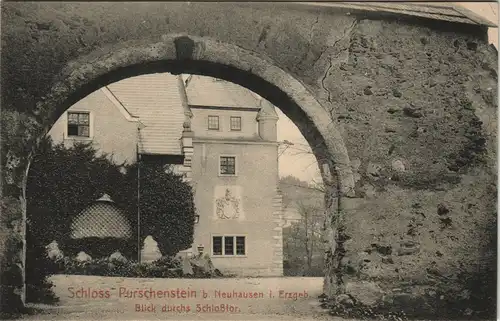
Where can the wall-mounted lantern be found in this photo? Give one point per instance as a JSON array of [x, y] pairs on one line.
[[200, 248], [196, 219]]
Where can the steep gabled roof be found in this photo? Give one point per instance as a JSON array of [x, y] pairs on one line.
[[156, 100], [208, 91], [105, 90]]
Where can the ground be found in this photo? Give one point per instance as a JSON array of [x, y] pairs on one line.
[[119, 308]]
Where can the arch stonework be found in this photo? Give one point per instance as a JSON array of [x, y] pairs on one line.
[[208, 51], [372, 95]]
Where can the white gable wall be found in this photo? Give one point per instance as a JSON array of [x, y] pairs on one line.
[[110, 131]]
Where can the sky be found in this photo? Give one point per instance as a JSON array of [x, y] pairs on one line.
[[488, 10], [297, 161]]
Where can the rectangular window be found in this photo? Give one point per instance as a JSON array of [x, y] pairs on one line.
[[79, 124], [213, 122], [228, 245], [228, 165], [217, 245], [235, 123], [240, 245]]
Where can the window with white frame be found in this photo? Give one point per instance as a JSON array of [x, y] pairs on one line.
[[227, 165], [235, 123], [79, 124], [213, 122], [229, 245]]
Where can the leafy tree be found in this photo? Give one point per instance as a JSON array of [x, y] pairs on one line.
[[166, 206], [306, 235], [64, 181], [303, 240], [61, 182]]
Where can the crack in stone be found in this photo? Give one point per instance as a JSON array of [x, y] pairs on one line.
[[309, 46], [324, 77], [263, 35], [346, 32], [311, 34], [319, 56]]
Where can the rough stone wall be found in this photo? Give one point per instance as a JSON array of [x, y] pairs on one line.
[[417, 110], [416, 107]]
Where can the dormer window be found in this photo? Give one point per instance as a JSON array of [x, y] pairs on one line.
[[213, 122], [235, 123], [79, 124]]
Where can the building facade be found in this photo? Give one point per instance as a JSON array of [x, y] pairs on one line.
[[220, 136]]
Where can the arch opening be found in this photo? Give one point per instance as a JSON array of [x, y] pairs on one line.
[[249, 69], [247, 79], [281, 90], [213, 69]]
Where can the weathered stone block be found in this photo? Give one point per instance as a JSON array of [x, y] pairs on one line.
[[366, 293]]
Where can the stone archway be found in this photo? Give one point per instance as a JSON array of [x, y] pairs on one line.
[[413, 101], [196, 55], [186, 54]]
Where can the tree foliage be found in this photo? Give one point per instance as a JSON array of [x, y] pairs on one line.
[[166, 206], [64, 181], [303, 240]]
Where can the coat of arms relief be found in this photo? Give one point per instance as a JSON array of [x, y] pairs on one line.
[[228, 205]]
